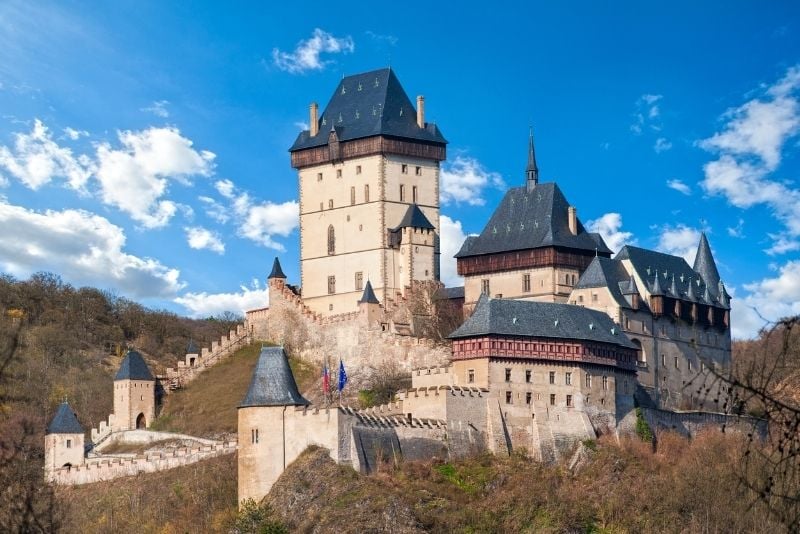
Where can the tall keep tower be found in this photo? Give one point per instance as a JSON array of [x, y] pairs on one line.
[[369, 171], [134, 394]]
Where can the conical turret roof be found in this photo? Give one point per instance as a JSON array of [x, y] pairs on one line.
[[657, 291], [368, 297], [276, 272], [273, 383], [64, 421], [704, 263]]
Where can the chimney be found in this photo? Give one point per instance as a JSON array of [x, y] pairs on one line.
[[313, 121], [421, 111], [572, 215]]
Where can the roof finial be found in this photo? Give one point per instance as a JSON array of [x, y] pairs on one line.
[[532, 170]]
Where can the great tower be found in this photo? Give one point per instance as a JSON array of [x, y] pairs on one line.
[[368, 172]]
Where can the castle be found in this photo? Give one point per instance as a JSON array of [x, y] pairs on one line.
[[558, 342]]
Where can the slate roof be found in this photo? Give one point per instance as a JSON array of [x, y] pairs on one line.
[[133, 368], [605, 272], [531, 219], [368, 104], [368, 296], [273, 383], [704, 263], [276, 272], [541, 319], [414, 218], [450, 293], [647, 262], [191, 348], [64, 421]]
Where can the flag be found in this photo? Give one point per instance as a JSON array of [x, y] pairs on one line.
[[342, 376], [326, 379]]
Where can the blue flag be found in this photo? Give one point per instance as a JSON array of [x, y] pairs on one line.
[[342, 376]]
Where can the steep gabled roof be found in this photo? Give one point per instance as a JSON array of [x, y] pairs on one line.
[[64, 421], [531, 219], [647, 262], [540, 319], [133, 368], [368, 297], [414, 218], [273, 383], [605, 272], [276, 272], [369, 104]]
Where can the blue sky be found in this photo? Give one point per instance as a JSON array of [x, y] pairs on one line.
[[143, 145]]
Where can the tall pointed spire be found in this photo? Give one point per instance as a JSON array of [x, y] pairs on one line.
[[277, 272], [368, 297], [656, 287], [532, 170], [704, 264]]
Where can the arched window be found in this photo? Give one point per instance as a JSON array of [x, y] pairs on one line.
[[331, 240]]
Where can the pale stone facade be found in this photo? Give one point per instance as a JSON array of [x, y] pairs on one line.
[[134, 403]]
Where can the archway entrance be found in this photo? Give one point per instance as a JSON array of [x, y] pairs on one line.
[[140, 422]]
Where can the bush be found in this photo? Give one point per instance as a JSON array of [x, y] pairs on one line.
[[643, 430]]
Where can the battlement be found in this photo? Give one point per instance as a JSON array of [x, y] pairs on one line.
[[392, 422], [436, 390], [391, 408]]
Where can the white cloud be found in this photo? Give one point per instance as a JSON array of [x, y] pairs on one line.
[[464, 180], [609, 227], [647, 113], [210, 304], [306, 55], [36, 159], [262, 221], [225, 188], [158, 108], [83, 248], [390, 39], [74, 134], [214, 209], [769, 299], [680, 240], [738, 230], [136, 177], [451, 237], [782, 244], [750, 149], [201, 238], [679, 186], [662, 145]]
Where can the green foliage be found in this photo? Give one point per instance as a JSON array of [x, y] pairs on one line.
[[590, 444], [366, 398], [256, 518], [643, 430]]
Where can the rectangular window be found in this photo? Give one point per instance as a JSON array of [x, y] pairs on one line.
[[402, 193], [485, 286], [366, 192], [580, 299], [588, 380], [508, 397], [330, 204], [359, 281], [508, 375], [418, 171], [552, 377], [594, 297], [568, 379], [471, 376], [404, 168], [352, 196], [526, 283], [569, 401], [319, 176], [677, 366], [414, 194], [331, 285], [689, 364], [528, 376], [338, 173], [605, 382], [663, 360], [528, 397], [552, 399], [254, 435], [358, 169], [69, 443]]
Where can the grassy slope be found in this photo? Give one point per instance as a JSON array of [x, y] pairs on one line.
[[207, 406]]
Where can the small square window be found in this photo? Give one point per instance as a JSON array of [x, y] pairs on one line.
[[330, 203], [418, 171], [471, 376], [404, 168], [69, 443], [528, 376], [338, 173], [358, 169], [319, 176], [528, 397], [508, 397], [552, 399]]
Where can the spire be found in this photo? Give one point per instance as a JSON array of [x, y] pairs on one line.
[[273, 383], [724, 298], [674, 288], [133, 367], [632, 289], [532, 170], [690, 292], [277, 272], [368, 297], [64, 421], [656, 291], [704, 264]]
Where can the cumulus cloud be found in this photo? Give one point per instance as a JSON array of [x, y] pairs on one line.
[[609, 226], [464, 180], [74, 134], [738, 230], [662, 145], [768, 300], [158, 108], [210, 304], [306, 55], [36, 159], [83, 248], [135, 177], [451, 238], [200, 238], [680, 240], [225, 188], [750, 148], [214, 209], [679, 186]]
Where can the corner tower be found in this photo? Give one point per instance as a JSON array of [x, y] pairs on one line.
[[134, 394], [363, 165], [63, 441]]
